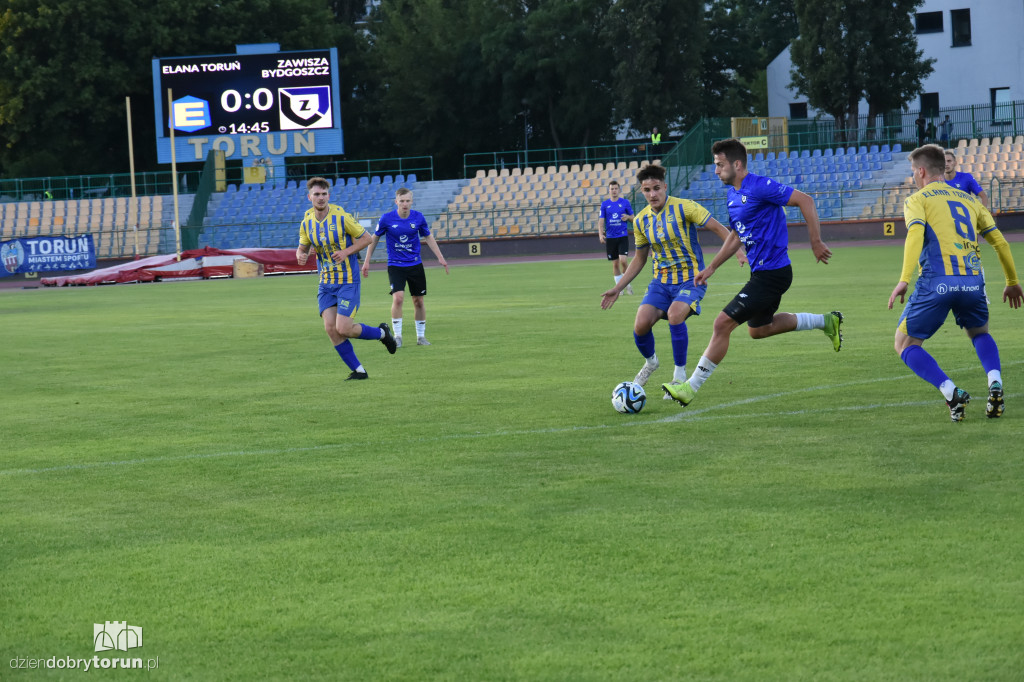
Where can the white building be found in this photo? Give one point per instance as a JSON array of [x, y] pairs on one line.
[[978, 47]]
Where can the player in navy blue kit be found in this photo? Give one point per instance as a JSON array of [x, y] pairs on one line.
[[403, 228], [757, 221], [943, 226], [963, 181], [613, 230]]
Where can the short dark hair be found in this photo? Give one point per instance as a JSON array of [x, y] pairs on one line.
[[732, 149], [322, 183], [931, 157], [651, 172], [613, 182]]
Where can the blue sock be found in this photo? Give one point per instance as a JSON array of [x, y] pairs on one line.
[[371, 333], [987, 351], [680, 340], [645, 343], [348, 354], [923, 365]]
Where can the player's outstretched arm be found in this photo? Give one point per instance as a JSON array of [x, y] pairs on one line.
[[358, 245], [729, 248], [432, 243], [609, 297], [810, 212], [365, 270], [723, 234]]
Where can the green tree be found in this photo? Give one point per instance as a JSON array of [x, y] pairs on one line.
[[893, 75], [657, 77], [849, 51], [559, 72], [827, 59], [437, 95], [67, 66]]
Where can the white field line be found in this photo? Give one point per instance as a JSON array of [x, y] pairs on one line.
[[684, 415]]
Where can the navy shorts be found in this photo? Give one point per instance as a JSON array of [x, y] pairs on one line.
[[760, 298], [616, 246], [413, 275]]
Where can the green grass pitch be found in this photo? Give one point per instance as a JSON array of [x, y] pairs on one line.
[[186, 457]]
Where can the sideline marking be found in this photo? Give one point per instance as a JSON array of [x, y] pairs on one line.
[[686, 415]]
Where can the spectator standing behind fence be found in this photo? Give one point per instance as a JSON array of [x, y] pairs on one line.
[[920, 123], [945, 131], [655, 142]]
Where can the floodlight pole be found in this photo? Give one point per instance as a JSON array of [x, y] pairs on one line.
[[174, 177], [133, 212]]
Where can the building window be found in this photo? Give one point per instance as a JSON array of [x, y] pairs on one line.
[[929, 104], [1002, 106], [798, 109], [961, 21], [929, 22]]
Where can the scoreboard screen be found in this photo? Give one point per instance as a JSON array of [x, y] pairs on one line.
[[219, 96]]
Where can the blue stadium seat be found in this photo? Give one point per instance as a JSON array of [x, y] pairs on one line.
[[805, 154], [827, 152], [816, 154], [862, 150], [873, 149], [411, 179], [771, 156]]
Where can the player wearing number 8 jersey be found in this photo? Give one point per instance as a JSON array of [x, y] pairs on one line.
[[943, 226]]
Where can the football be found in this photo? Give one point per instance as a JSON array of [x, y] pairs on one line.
[[629, 398]]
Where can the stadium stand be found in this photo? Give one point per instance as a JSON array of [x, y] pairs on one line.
[[848, 183], [532, 201], [996, 163], [267, 215], [109, 219]]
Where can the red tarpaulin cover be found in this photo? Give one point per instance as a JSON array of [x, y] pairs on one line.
[[156, 267]]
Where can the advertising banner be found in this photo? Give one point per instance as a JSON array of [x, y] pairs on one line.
[[47, 254]]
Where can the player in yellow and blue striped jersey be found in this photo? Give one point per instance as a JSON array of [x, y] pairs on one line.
[[667, 229], [337, 239], [943, 226]]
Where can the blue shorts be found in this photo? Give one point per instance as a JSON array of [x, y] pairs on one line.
[[933, 299], [661, 295], [344, 296]]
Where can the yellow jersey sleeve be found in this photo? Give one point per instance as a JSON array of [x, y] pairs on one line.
[[695, 213]]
